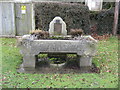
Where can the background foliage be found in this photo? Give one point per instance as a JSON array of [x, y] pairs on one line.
[[75, 15]]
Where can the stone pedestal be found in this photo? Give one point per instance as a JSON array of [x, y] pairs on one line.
[[85, 61], [29, 61]]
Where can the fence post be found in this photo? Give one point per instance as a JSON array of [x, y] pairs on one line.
[[116, 13]]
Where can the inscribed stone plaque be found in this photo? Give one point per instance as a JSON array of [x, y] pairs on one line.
[[57, 28]]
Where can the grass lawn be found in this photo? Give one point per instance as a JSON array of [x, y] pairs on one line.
[[106, 59]]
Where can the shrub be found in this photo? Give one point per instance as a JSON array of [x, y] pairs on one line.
[[102, 21], [39, 34], [105, 21], [76, 32], [75, 15]]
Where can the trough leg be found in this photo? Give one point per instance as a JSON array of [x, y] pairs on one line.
[[85, 61], [29, 61]]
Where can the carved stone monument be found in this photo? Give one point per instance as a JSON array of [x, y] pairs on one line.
[[85, 48], [57, 27]]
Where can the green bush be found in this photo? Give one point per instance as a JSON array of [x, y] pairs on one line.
[[102, 21], [105, 21], [75, 15]]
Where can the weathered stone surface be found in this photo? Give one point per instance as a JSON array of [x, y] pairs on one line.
[[29, 61], [57, 27], [85, 48], [85, 61]]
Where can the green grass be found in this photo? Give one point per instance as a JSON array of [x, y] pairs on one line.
[[106, 59]]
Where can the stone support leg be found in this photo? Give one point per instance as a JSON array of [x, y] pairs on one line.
[[29, 61], [85, 61]]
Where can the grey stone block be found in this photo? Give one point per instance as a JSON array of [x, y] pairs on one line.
[[85, 61], [57, 26], [29, 61]]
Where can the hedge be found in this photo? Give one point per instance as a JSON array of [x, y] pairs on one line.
[[75, 15], [105, 21], [102, 21]]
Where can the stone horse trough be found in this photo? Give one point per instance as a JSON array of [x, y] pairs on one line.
[[85, 48]]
